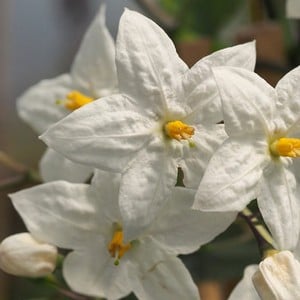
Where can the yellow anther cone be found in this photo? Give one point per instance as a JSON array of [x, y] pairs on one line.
[[178, 130], [116, 247], [76, 99], [286, 147]]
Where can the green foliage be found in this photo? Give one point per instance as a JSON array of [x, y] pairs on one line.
[[201, 16], [226, 257]]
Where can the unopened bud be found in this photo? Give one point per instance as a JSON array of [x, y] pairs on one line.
[[22, 255], [278, 277]]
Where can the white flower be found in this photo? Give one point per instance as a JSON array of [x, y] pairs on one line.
[[23, 255], [87, 220], [293, 8], [256, 160], [92, 76], [164, 113], [277, 277]]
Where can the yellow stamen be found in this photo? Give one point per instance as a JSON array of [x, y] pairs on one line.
[[76, 99], [116, 248], [178, 130], [286, 147]]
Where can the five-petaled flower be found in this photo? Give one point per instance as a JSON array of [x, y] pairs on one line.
[[92, 76], [258, 160], [86, 219], [164, 117]]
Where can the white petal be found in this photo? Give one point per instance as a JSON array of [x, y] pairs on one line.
[[241, 56], [107, 186], [200, 90], [94, 70], [167, 280], [293, 9], [91, 271], [245, 289], [148, 66], [181, 230], [54, 166], [288, 105], [230, 180], [59, 213], [104, 134], [145, 187], [37, 106], [279, 205], [206, 139], [248, 101]]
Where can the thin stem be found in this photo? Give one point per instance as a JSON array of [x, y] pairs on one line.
[[24, 174], [29, 176], [72, 295], [11, 182], [52, 281], [9, 162], [263, 237]]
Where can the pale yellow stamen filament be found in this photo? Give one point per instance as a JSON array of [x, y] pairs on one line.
[[286, 147], [116, 247], [178, 130], [75, 100]]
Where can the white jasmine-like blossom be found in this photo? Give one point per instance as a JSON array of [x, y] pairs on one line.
[[87, 220], [293, 8], [256, 160], [22, 255], [164, 117], [92, 76], [277, 277]]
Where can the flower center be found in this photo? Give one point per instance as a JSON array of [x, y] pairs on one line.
[[116, 248], [286, 147], [178, 130], [75, 100]]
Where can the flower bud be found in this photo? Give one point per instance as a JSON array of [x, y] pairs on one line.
[[22, 255], [278, 277]]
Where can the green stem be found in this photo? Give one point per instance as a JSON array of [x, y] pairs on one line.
[[24, 174], [262, 235], [9, 162], [29, 176]]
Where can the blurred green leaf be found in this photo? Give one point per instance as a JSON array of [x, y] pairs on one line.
[[201, 16]]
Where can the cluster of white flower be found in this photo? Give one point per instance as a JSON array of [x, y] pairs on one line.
[[129, 116]]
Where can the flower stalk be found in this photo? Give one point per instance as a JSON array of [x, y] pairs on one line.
[[264, 239]]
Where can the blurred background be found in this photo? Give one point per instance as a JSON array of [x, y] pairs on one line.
[[38, 40]]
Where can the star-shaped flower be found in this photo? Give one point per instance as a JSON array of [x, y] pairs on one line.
[[87, 220], [256, 161], [92, 76], [164, 117]]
